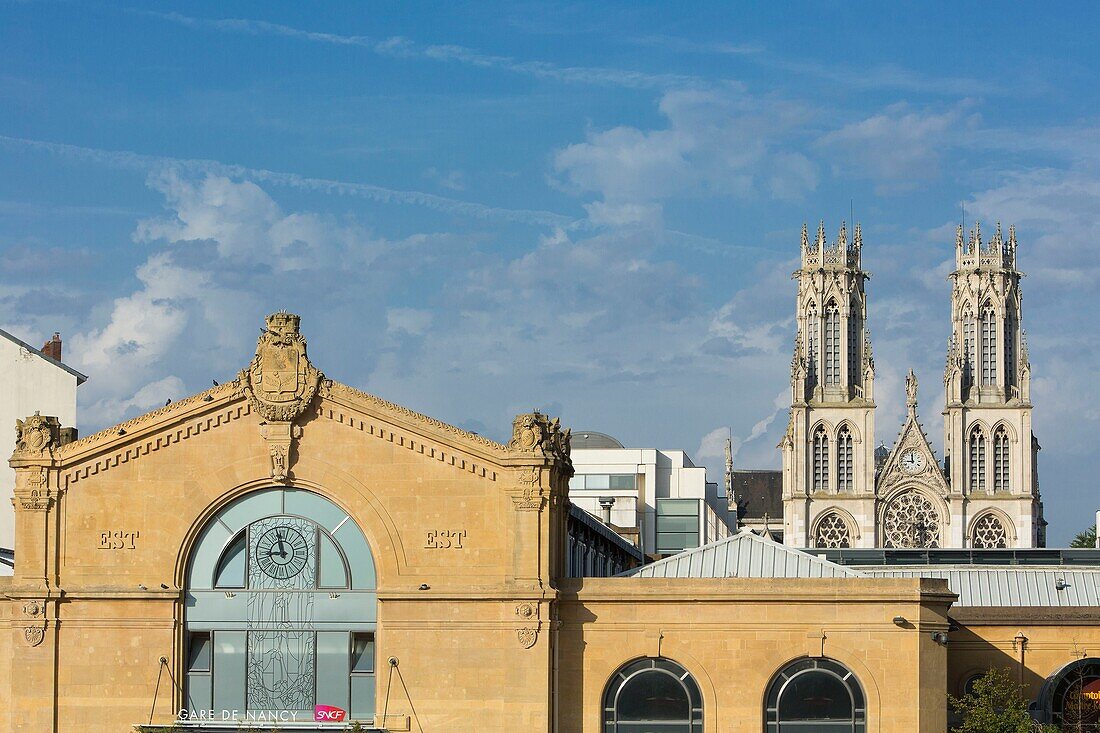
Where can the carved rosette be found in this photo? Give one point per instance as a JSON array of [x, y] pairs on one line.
[[527, 636], [280, 382], [35, 631]]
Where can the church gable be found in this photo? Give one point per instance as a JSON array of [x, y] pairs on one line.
[[912, 458]]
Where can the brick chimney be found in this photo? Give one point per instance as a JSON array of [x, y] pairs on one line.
[[52, 348]]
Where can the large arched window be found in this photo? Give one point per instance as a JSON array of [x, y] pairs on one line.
[[281, 610], [813, 334], [1070, 697], [652, 695], [815, 696], [989, 345], [832, 344], [821, 459], [844, 460], [1000, 460], [977, 460]]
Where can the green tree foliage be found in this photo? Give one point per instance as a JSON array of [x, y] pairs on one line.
[[1085, 539], [996, 704]]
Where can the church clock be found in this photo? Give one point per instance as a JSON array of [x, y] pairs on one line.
[[912, 461]]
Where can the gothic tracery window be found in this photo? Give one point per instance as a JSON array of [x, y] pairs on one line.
[[1000, 460], [988, 532], [989, 346], [832, 531], [911, 520], [821, 459], [1010, 351], [832, 344], [844, 460], [977, 460]]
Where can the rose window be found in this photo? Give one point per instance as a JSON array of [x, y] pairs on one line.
[[832, 531], [911, 520], [989, 532]]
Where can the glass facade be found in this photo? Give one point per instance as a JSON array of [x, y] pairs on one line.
[[603, 481], [677, 525], [281, 609]]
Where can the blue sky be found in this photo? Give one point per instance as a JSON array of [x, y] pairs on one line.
[[589, 208]]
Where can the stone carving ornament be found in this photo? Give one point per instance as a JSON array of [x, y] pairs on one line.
[[34, 635], [280, 382], [911, 520], [534, 432], [527, 637], [37, 433]]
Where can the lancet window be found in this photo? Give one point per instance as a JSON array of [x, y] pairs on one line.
[[1010, 351], [977, 460], [844, 460], [832, 344], [1001, 459], [970, 347], [854, 344], [813, 331], [821, 459], [989, 346]]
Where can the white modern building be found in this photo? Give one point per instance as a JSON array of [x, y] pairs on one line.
[[31, 380], [656, 498]]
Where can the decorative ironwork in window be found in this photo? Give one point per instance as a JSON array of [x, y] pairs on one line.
[[653, 694], [1001, 462], [821, 459], [977, 460], [988, 532], [844, 460], [832, 531], [911, 520], [815, 695]]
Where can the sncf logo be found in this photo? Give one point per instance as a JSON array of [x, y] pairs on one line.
[[328, 714]]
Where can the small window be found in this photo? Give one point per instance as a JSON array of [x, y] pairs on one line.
[[198, 652], [362, 653], [577, 482], [621, 481], [597, 481]]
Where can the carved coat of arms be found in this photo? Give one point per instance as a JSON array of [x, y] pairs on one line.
[[281, 382], [36, 433]]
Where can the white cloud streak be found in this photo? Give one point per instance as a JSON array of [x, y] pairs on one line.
[[129, 160]]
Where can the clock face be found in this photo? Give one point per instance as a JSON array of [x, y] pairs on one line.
[[282, 552], [912, 461]]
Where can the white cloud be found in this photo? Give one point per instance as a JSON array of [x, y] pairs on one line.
[[719, 142], [899, 147]]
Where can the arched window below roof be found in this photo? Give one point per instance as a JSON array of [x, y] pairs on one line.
[[815, 696], [652, 695]]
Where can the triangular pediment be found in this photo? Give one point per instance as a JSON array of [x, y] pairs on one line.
[[912, 460]]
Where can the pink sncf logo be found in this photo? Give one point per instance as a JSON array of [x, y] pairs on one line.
[[328, 714]]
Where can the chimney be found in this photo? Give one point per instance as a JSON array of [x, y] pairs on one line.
[[52, 348]]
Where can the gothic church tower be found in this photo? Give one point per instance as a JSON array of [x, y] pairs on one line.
[[828, 450], [990, 452]]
